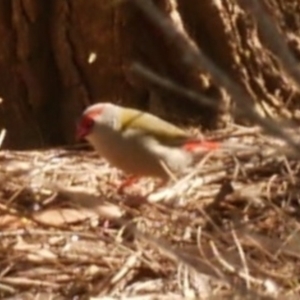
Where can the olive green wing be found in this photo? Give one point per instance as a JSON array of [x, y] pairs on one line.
[[143, 122]]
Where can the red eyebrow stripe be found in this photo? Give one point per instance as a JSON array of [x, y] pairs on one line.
[[93, 113]]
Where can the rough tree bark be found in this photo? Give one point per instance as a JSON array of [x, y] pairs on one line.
[[56, 57]]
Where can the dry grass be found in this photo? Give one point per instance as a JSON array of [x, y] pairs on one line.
[[228, 227]]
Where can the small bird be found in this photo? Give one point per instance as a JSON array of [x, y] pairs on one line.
[[140, 143]]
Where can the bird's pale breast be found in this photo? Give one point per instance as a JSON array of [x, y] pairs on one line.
[[127, 153]]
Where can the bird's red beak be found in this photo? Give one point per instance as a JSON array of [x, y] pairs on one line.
[[84, 127], [81, 132]]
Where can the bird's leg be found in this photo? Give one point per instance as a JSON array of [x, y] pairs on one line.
[[131, 179], [128, 181], [160, 184]]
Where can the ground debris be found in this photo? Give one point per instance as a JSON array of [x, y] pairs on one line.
[[229, 226]]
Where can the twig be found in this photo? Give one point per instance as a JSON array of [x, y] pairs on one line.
[[2, 136], [26, 282], [242, 256]]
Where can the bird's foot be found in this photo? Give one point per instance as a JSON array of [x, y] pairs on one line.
[[156, 187], [130, 180]]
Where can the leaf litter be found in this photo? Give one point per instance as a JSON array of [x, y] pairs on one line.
[[228, 227]]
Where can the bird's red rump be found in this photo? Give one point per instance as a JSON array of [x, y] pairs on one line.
[[199, 145]]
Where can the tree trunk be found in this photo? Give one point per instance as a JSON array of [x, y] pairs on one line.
[[57, 57]]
